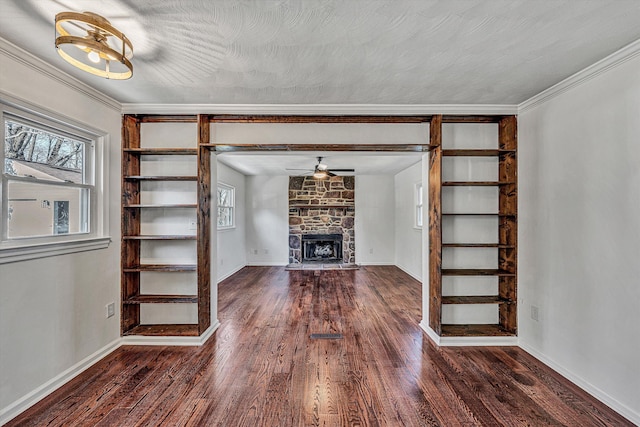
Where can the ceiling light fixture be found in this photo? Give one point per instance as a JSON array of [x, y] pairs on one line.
[[320, 174], [89, 42]]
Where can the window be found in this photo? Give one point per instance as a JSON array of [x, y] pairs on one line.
[[418, 210], [49, 187], [226, 203]]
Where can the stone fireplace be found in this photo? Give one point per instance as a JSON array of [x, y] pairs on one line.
[[321, 220]]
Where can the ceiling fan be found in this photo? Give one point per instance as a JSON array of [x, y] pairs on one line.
[[321, 171]]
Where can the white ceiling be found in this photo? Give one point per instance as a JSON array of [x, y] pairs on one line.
[[339, 51]]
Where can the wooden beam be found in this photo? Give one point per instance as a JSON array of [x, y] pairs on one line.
[[435, 225], [220, 147], [248, 118], [471, 119], [508, 234], [130, 250], [204, 224], [152, 118]]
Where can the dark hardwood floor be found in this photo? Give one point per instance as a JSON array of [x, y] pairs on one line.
[[262, 369]]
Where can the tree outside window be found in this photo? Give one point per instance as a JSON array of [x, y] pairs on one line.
[[226, 204], [46, 177]]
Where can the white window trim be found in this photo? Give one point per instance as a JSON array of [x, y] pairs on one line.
[[98, 237], [233, 207], [418, 187]]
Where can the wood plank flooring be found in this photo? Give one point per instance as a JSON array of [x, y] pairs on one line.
[[261, 368]]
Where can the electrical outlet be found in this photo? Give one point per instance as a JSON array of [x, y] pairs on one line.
[[535, 315], [370, 250], [221, 261], [111, 309], [255, 252], [192, 225]]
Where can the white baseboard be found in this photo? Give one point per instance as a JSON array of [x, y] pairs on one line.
[[266, 264], [419, 279], [614, 404], [467, 341], [25, 402], [231, 273], [430, 332], [374, 262], [182, 341], [478, 341]]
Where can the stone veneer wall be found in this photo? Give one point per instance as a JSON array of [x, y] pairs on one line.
[[322, 207]]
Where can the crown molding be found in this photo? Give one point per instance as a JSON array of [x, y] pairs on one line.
[[321, 109], [614, 60], [20, 55]]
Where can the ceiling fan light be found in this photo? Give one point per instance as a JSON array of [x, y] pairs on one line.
[[100, 40], [320, 174]]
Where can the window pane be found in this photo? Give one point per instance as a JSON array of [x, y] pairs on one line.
[[36, 209], [225, 217], [41, 154], [225, 196]]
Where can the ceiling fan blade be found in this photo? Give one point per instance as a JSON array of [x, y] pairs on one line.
[[343, 170], [331, 173]]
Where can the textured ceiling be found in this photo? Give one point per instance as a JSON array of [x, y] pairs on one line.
[[339, 51]]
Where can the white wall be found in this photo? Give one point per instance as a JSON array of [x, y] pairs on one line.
[[374, 223], [52, 310], [267, 220], [232, 252], [579, 234], [408, 238]]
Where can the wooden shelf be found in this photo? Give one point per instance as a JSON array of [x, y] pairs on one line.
[[163, 237], [177, 205], [482, 299], [477, 245], [185, 330], [475, 272], [161, 299], [480, 330], [169, 268], [475, 152], [475, 183], [478, 214], [160, 178], [162, 151]]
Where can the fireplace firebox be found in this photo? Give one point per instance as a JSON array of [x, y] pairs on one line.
[[326, 248]]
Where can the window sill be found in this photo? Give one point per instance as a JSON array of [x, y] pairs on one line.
[[43, 250], [233, 227]]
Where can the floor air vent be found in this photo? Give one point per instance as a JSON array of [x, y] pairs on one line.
[[326, 336]]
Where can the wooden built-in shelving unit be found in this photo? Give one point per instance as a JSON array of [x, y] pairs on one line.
[[505, 243], [132, 238], [505, 214]]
